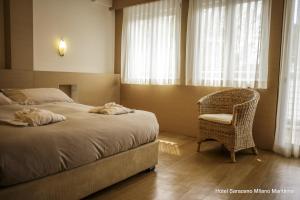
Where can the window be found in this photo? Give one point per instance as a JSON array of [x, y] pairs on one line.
[[291, 72], [287, 140], [151, 43], [228, 43]]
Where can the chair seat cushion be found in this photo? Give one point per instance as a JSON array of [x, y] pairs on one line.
[[217, 118]]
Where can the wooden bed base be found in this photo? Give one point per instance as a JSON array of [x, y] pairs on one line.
[[83, 181]]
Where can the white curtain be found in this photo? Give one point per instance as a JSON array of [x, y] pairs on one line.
[[151, 43], [287, 139], [228, 42]]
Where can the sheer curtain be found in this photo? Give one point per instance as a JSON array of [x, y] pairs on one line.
[[151, 43], [228, 43], [287, 139]]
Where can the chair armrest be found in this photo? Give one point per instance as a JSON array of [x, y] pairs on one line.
[[206, 105], [243, 114], [203, 100]]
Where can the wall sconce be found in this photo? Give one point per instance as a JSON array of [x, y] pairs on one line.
[[62, 46]]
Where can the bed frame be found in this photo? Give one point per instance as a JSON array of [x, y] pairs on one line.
[[83, 181]]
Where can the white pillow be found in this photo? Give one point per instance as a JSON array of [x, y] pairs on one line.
[[4, 100], [37, 95]]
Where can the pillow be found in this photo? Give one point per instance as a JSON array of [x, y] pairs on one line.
[[17, 96], [4, 100], [37, 95]]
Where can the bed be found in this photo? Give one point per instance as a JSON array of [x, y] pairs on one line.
[[76, 157]]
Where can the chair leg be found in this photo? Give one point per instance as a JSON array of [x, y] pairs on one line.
[[232, 155], [198, 148], [254, 149]]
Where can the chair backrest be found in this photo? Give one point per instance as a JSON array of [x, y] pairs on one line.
[[238, 96], [228, 98]]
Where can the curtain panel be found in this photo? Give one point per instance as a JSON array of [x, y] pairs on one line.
[[228, 43], [150, 51], [287, 138]]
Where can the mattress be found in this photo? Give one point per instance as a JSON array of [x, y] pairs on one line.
[[28, 153]]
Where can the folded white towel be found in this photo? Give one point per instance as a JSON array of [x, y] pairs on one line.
[[34, 117], [111, 109], [38, 117]]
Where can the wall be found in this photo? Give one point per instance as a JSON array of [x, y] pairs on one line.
[[16, 31], [87, 27], [21, 45], [2, 41], [91, 89], [175, 106], [18, 48]]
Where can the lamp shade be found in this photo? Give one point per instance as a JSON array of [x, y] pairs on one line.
[[62, 46]]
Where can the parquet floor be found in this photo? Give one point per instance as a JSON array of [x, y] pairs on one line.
[[184, 174]]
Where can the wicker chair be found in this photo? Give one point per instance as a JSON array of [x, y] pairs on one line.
[[227, 117]]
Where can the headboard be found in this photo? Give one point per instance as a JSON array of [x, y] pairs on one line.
[[92, 89]]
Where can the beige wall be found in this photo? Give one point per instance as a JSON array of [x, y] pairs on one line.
[[2, 43], [91, 89], [175, 106], [16, 34], [16, 47], [87, 27], [21, 38]]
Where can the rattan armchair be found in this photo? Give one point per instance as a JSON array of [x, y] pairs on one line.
[[239, 106]]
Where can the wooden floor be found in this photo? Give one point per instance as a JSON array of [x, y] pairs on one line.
[[184, 174]]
